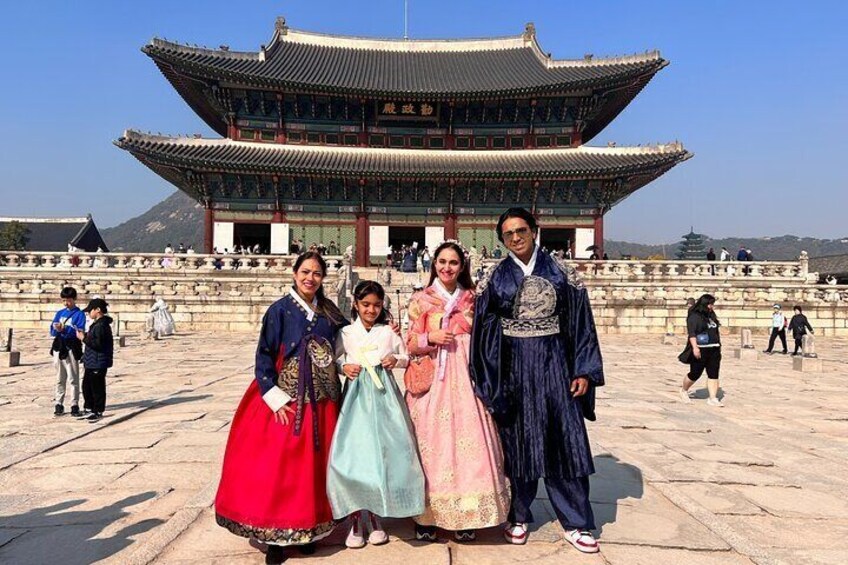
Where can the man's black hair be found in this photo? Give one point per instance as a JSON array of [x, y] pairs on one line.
[[517, 213], [68, 292]]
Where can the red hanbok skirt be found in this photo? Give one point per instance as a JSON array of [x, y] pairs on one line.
[[274, 484]]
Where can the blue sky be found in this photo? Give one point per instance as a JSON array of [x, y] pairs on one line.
[[757, 90]]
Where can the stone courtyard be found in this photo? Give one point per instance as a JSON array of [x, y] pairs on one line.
[[759, 481]]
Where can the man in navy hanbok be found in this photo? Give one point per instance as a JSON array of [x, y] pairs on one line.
[[535, 362]]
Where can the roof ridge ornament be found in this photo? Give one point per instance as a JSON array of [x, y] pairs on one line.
[[529, 31], [280, 25]]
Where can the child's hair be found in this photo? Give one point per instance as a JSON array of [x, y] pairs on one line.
[[363, 289], [325, 306], [68, 292], [800, 310]]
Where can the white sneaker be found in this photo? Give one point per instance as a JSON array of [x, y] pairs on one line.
[[355, 539], [516, 533], [715, 402], [583, 541], [378, 535], [684, 396]]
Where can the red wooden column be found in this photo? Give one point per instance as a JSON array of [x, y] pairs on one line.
[[599, 235], [363, 245], [451, 230], [208, 230]]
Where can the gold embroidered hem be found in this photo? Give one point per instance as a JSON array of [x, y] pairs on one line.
[[277, 536], [469, 511]]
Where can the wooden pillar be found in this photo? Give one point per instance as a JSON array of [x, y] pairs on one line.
[[451, 230], [363, 245], [599, 234], [208, 229]]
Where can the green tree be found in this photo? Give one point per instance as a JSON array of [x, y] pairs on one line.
[[14, 236]]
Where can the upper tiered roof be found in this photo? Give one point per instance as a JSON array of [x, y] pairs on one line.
[[462, 68]]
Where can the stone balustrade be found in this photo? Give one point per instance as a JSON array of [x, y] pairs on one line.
[[627, 296], [153, 261]]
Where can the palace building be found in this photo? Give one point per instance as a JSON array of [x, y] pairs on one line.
[[376, 142]]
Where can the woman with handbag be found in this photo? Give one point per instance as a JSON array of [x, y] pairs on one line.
[[460, 449], [703, 349]]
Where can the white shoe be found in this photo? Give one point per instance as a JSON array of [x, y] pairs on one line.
[[355, 539], [583, 541], [378, 535], [684, 396], [516, 533], [715, 402]]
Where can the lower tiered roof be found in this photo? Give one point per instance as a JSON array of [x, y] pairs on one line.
[[228, 156]]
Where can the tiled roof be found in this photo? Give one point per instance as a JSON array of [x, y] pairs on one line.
[[251, 157], [296, 60], [54, 234]]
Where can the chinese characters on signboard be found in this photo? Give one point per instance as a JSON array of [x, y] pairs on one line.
[[406, 109]]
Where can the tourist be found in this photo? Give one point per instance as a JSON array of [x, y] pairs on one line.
[[799, 326], [166, 261], [273, 485], [594, 256], [484, 252], [332, 249], [606, 257], [831, 280], [191, 250], [536, 363], [465, 489], [409, 260], [425, 259], [568, 254], [97, 358], [725, 254], [67, 350], [778, 329], [181, 248], [742, 254], [374, 466], [711, 257], [703, 349], [497, 253], [159, 322]]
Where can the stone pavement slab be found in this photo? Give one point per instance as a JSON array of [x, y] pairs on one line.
[[675, 483]]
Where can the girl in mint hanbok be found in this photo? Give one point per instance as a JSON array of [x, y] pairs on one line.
[[374, 470]]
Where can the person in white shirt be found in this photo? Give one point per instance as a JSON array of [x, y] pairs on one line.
[[778, 329]]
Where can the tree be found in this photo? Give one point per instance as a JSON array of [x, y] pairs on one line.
[[14, 236]]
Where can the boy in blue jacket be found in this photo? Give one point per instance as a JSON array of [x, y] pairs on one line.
[[66, 350], [97, 357]]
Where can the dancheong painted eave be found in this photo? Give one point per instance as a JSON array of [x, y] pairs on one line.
[[298, 61], [226, 155]]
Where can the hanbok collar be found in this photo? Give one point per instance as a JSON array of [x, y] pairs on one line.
[[360, 328], [528, 268], [308, 310], [446, 294]]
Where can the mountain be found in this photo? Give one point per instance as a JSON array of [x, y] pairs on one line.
[[179, 219]]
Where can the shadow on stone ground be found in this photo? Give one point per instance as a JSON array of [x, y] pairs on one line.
[[59, 534], [158, 404], [613, 483]]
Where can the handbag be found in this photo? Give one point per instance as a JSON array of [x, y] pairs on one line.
[[419, 374], [702, 339]]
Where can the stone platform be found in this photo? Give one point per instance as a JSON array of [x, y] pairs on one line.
[[759, 481]]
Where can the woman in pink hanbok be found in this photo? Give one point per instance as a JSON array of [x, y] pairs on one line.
[[460, 450]]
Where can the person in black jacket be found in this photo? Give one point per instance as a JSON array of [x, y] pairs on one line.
[[703, 349], [97, 357], [799, 326]]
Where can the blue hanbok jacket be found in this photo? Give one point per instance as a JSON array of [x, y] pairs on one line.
[[523, 378]]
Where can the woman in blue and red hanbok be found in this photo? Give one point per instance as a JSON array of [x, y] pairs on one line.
[[273, 484]]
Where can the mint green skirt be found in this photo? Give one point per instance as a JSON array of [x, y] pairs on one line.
[[374, 463]]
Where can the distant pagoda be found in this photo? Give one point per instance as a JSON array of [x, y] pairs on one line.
[[376, 142], [692, 247]]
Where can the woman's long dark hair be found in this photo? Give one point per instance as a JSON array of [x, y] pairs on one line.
[[325, 306], [701, 307], [363, 289], [464, 277]]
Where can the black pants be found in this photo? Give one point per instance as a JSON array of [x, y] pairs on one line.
[[710, 361], [94, 389], [569, 497], [775, 332], [798, 344]]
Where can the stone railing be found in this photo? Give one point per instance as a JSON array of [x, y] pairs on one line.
[[650, 270], [153, 261]]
